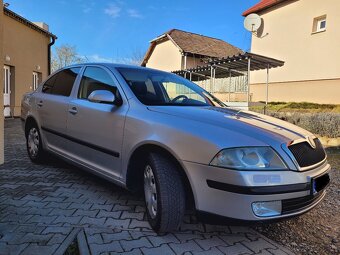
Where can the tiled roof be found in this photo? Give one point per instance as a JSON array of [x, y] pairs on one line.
[[262, 5], [197, 44], [202, 45]]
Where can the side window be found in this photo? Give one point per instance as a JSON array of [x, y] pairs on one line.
[[96, 78], [48, 85], [64, 81]]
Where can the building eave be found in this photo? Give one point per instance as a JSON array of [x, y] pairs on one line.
[[261, 6], [28, 23]]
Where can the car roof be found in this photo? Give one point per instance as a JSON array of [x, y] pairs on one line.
[[113, 65]]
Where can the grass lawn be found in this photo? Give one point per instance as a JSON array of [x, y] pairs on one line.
[[302, 107]]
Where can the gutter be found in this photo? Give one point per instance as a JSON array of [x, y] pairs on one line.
[[49, 55]]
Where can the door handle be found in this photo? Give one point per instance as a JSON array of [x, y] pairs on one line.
[[73, 110], [40, 103]]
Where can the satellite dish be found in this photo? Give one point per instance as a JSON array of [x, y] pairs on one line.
[[252, 22]]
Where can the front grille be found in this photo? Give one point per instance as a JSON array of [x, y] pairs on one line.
[[305, 155], [297, 204]]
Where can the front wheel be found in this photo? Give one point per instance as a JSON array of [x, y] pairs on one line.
[[164, 193], [34, 144]]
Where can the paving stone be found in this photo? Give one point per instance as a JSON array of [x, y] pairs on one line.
[[58, 205], [39, 211], [185, 247], [138, 243], [34, 238], [117, 223], [163, 249], [133, 252], [37, 249], [139, 224], [89, 213], [106, 214], [60, 230], [30, 229], [101, 207], [132, 215], [234, 238], [12, 249], [42, 219], [119, 207], [163, 239], [95, 239], [207, 244], [278, 252], [259, 245], [68, 219], [57, 239], [116, 236], [212, 251], [16, 218], [92, 221], [80, 206], [109, 247], [7, 227], [34, 198], [183, 237], [62, 212], [236, 249]]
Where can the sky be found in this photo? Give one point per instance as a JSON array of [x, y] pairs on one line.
[[109, 31]]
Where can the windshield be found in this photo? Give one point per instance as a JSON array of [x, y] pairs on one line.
[[153, 87]]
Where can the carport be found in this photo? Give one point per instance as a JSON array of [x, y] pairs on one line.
[[232, 66]]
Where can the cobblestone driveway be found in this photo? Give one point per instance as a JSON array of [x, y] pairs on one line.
[[43, 208]]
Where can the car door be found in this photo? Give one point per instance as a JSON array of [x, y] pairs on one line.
[[52, 107], [96, 129]]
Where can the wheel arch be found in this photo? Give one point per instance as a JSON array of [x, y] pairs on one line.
[[29, 121], [134, 173]]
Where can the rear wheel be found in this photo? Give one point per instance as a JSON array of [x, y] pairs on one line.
[[164, 193], [34, 144]]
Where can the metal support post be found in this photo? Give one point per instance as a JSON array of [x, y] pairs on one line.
[[248, 82], [229, 87]]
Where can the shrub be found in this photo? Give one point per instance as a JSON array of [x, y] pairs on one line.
[[324, 124]]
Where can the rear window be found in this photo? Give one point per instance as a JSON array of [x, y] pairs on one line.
[[61, 83]]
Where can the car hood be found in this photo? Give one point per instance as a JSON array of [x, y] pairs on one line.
[[246, 122]]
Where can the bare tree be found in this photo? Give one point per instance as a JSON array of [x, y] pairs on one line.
[[65, 55], [134, 58]]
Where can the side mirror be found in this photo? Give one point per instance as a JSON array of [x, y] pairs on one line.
[[102, 96]]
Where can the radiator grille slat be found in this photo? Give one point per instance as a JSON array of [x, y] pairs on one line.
[[305, 155]]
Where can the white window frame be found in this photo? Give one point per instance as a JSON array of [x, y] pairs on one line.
[[318, 25], [35, 80]]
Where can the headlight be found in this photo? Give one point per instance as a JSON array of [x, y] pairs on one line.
[[249, 158]]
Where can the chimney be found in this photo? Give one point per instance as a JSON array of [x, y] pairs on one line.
[[42, 25]]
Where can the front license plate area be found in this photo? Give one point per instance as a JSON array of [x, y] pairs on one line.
[[319, 183]]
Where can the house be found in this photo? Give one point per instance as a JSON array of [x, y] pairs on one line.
[[26, 53], [305, 34], [179, 50]]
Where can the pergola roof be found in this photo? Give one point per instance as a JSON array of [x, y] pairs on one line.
[[236, 65]]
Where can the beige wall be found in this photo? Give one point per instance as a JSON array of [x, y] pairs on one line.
[[308, 56], [319, 91], [165, 56], [27, 49], [1, 87]]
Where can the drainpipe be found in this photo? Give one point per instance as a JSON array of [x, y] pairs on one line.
[[49, 55]]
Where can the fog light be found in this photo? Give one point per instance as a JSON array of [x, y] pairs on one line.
[[267, 209]]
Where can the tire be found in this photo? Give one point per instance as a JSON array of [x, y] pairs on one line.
[[163, 193], [34, 144]]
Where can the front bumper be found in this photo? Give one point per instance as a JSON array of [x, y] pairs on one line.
[[242, 188]]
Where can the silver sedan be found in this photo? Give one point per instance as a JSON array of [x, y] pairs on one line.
[[155, 132]]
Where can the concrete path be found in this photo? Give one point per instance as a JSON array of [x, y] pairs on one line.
[[44, 208]]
